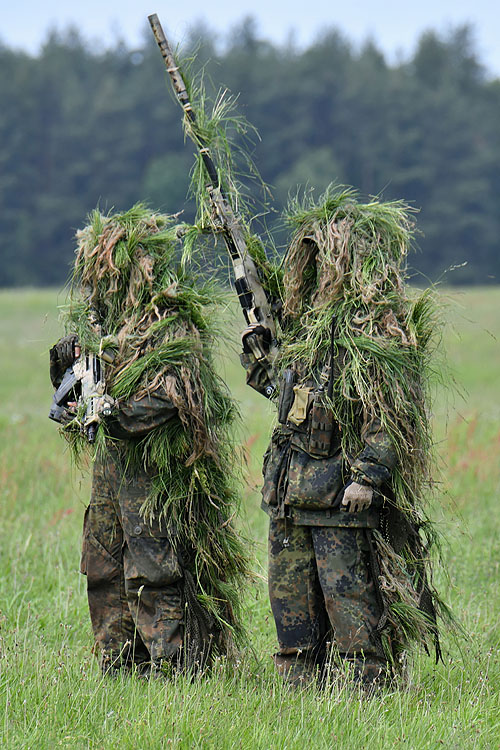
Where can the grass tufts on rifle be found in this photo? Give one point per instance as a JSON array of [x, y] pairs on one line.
[[162, 322], [346, 260], [230, 139]]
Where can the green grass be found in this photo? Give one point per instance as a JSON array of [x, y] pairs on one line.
[[51, 692]]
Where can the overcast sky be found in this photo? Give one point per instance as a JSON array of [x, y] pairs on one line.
[[394, 26]]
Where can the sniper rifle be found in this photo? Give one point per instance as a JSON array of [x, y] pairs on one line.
[[251, 294]]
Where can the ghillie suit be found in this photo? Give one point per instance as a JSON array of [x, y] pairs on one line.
[[164, 562], [355, 366]]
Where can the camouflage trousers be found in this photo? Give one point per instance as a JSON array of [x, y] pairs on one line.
[[133, 576], [324, 601]]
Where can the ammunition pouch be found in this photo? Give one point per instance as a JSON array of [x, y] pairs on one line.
[[303, 468], [314, 483], [302, 409], [295, 478], [324, 434]]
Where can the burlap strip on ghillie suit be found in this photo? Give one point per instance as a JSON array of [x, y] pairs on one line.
[[131, 290], [345, 275]]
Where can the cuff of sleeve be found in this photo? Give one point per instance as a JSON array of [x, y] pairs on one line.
[[372, 474], [360, 478], [247, 359]]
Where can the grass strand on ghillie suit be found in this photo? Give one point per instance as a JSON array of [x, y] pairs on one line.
[[347, 260], [162, 322]]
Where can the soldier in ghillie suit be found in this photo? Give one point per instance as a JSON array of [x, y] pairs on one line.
[[164, 564], [348, 465]]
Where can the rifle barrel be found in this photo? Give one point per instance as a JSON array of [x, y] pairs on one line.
[[182, 94]]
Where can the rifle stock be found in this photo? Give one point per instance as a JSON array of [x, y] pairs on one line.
[[251, 294]]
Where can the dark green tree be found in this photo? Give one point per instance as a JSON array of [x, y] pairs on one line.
[[81, 127]]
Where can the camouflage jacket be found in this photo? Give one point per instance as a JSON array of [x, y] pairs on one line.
[[134, 417], [305, 471]]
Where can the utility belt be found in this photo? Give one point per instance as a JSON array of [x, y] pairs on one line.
[[302, 410]]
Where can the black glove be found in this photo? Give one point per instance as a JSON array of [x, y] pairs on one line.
[[68, 414], [259, 331], [62, 356]]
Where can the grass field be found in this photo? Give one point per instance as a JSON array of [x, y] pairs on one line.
[[51, 691]]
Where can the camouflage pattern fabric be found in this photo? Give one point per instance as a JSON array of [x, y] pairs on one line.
[[324, 601], [143, 605], [257, 372], [134, 579], [323, 597], [296, 480], [304, 467], [136, 417], [375, 463]]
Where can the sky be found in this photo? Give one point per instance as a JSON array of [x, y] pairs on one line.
[[394, 26]]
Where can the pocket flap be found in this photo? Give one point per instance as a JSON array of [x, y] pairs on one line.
[[134, 525], [313, 482]]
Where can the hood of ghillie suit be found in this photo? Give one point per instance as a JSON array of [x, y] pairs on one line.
[[345, 283], [348, 259], [132, 294], [129, 287], [345, 293]]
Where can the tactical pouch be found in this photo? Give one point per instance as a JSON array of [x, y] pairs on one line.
[[286, 395], [322, 430], [301, 400], [314, 483]]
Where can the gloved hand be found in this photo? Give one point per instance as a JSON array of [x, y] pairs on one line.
[[262, 336], [69, 413], [357, 497], [62, 355]]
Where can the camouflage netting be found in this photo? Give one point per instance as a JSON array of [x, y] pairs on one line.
[[345, 276], [130, 288]]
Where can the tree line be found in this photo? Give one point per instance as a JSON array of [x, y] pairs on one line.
[[80, 128]]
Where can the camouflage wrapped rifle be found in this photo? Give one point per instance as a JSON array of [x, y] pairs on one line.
[[251, 294]]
